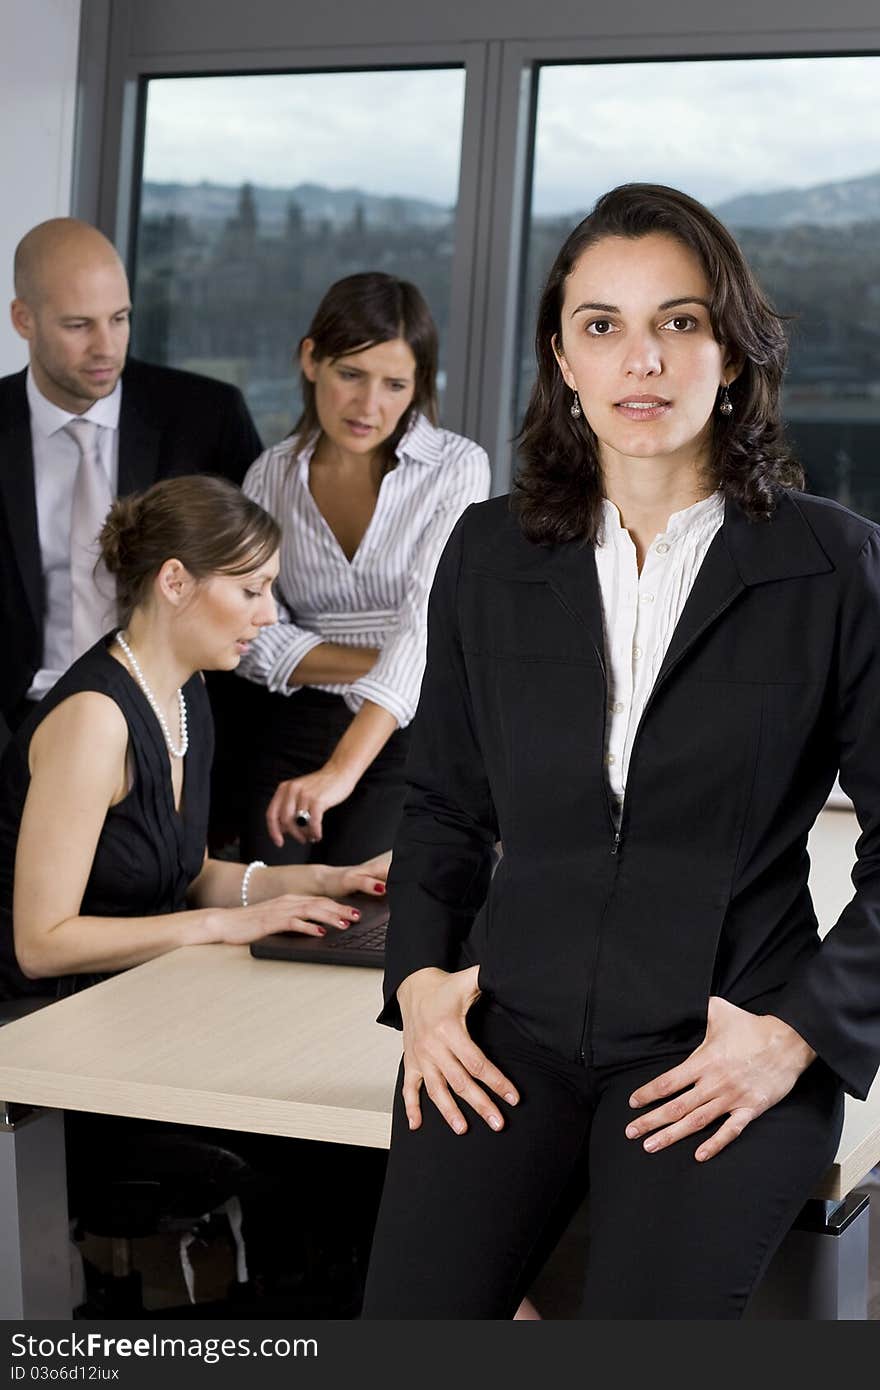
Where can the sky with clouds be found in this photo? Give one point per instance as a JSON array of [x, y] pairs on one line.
[[383, 132], [715, 129]]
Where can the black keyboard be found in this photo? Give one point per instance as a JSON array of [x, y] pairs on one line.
[[370, 939]]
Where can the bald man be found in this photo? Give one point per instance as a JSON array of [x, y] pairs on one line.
[[142, 423]]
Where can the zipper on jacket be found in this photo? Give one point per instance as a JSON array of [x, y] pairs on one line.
[[614, 818], [586, 1047], [616, 841], [617, 822]]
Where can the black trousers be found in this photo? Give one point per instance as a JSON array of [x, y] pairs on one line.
[[466, 1221], [283, 736]]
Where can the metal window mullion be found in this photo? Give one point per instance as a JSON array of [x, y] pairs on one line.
[[490, 418], [461, 360]]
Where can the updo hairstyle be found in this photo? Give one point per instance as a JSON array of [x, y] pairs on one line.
[[203, 520]]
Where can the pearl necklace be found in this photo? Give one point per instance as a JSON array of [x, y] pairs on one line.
[[154, 703]]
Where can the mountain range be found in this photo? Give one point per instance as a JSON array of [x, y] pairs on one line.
[[207, 205], [835, 204]]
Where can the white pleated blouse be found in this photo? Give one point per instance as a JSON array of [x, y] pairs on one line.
[[640, 612], [380, 597]]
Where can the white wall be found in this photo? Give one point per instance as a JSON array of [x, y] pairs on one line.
[[38, 68]]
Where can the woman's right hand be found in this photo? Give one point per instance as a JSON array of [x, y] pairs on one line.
[[292, 912], [439, 1052]]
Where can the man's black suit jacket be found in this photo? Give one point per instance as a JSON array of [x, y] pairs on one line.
[[171, 422]]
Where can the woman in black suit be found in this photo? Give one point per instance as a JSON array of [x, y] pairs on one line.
[[644, 671]]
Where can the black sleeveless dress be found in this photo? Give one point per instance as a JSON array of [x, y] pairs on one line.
[[147, 854]]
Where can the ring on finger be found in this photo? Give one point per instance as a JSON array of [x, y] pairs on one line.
[[302, 817]]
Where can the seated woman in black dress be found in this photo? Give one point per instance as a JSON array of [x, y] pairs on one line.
[[104, 789]]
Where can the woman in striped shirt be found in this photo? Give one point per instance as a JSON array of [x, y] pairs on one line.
[[366, 491]]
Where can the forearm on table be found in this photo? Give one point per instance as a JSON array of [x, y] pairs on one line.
[[219, 883], [86, 945], [332, 663]]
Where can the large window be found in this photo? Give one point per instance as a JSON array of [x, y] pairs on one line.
[[259, 191], [787, 152]]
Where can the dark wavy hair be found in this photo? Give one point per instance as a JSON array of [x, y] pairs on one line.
[[557, 492], [358, 312]]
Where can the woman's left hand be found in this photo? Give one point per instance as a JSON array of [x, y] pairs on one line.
[[314, 794], [744, 1065]]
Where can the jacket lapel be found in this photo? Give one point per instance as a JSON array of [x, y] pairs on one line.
[[570, 570], [744, 554], [19, 495], [138, 444], [717, 585], [567, 570]]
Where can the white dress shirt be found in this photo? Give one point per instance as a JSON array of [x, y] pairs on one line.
[[56, 460], [380, 597], [640, 612]]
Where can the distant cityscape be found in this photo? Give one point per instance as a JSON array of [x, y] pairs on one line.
[[227, 279]]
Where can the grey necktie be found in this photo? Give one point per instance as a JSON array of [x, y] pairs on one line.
[[92, 588]]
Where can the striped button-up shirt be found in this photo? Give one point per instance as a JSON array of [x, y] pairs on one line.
[[379, 598]]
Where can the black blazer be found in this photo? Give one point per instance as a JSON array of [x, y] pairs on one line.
[[171, 422], [605, 945]]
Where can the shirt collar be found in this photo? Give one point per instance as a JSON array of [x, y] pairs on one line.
[[48, 418], [707, 509], [422, 442]]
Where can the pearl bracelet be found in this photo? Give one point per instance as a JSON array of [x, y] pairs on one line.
[[254, 864]]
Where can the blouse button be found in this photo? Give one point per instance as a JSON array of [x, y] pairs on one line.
[[637, 651], [661, 547], [617, 707]]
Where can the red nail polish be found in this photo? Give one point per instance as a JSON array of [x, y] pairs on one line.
[[378, 887], [322, 931], [355, 914]]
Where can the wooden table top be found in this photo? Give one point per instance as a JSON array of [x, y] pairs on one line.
[[208, 1035]]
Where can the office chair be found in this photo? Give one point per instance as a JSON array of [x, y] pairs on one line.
[[129, 1179]]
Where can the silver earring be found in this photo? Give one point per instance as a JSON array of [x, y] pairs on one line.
[[575, 408], [726, 404]]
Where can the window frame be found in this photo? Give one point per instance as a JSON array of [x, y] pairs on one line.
[[120, 185]]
